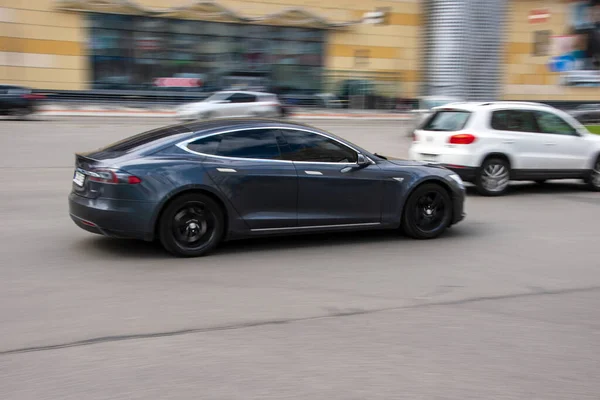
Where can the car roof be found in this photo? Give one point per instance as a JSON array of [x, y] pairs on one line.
[[492, 105], [233, 123], [150, 141], [246, 92]]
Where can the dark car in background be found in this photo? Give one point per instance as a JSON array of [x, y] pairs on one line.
[[587, 113], [193, 185], [18, 101]]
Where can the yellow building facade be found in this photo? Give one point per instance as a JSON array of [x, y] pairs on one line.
[[46, 44]]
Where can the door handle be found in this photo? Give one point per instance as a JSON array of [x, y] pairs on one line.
[[313, 173], [230, 170], [550, 144], [508, 141]]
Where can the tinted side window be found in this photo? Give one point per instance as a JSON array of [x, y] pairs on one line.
[[258, 143], [514, 120], [306, 146], [207, 145], [552, 123], [447, 121], [242, 98]]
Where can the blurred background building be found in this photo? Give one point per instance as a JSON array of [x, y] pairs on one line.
[[472, 49]]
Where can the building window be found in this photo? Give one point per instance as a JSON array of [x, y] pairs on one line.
[[137, 53], [541, 43], [361, 58]]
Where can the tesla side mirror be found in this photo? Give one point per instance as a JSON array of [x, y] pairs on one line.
[[363, 161]]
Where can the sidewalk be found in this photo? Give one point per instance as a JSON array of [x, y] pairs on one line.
[[163, 112]]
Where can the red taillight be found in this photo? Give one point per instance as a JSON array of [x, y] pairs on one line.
[[414, 137], [462, 138], [113, 177], [133, 180], [104, 176], [34, 96]]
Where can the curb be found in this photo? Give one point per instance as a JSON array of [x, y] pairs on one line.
[[166, 114]]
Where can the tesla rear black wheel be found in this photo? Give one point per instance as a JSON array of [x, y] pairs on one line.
[[191, 226], [428, 212]]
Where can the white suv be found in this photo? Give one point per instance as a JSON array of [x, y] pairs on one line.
[[491, 143]]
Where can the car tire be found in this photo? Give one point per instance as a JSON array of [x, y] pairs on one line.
[[427, 212], [22, 113], [493, 177], [593, 179], [191, 225]]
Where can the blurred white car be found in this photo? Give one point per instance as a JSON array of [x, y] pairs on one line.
[[227, 104]]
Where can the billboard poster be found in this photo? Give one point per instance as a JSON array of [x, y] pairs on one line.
[[576, 55]]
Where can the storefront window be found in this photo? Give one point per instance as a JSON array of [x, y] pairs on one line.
[[130, 52]]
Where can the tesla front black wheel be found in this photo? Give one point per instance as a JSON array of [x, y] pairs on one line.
[[191, 226], [428, 212]]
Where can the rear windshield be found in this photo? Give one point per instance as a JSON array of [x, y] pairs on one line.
[[142, 139], [447, 120]]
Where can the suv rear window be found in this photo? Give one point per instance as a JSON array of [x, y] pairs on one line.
[[447, 120]]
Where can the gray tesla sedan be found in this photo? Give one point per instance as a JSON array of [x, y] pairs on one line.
[[193, 185]]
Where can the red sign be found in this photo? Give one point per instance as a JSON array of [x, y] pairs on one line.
[[539, 15], [177, 82], [147, 44]]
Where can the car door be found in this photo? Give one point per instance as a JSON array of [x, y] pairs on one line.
[[515, 132], [240, 104], [247, 167], [332, 190], [227, 107], [564, 149]]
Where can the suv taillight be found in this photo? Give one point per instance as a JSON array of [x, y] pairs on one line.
[[462, 138]]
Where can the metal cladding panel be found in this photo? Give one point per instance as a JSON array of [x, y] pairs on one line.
[[463, 48]]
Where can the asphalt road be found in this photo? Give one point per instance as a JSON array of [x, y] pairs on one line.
[[505, 306]]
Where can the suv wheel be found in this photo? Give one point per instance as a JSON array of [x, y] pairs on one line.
[[493, 177], [191, 226], [593, 180]]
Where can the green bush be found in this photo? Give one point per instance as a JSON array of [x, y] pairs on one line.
[[594, 129]]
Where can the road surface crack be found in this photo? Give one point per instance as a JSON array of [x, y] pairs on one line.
[[334, 313]]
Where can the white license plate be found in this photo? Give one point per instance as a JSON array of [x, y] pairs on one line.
[[429, 157], [79, 178]]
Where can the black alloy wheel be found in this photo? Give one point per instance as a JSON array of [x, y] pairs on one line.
[[428, 212], [191, 226]]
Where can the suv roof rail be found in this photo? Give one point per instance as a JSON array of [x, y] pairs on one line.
[[525, 103]]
